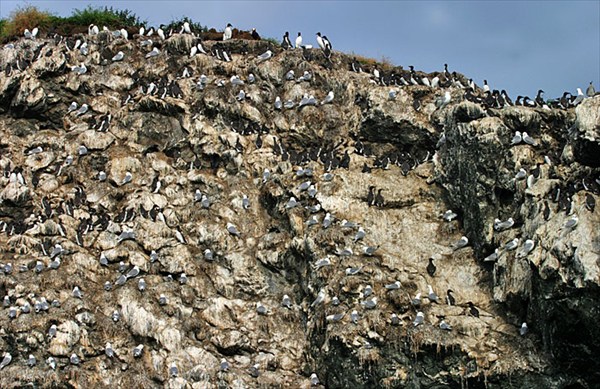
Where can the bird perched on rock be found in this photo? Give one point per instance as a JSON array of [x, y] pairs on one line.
[[265, 56], [227, 34], [299, 40], [431, 267]]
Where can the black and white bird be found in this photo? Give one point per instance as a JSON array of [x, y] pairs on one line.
[[265, 56], [227, 34], [286, 43], [299, 40]]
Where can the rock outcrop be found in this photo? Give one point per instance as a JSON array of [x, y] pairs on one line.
[[195, 223]]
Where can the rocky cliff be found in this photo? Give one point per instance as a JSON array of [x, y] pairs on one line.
[[180, 233]]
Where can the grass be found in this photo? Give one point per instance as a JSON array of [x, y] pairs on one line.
[[30, 17]]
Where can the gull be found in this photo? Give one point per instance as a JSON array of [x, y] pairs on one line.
[[289, 76], [137, 351], [141, 285], [517, 138], [528, 246], [251, 78], [147, 42], [328, 99], [449, 215], [128, 177], [394, 319], [320, 298], [81, 69], [441, 102], [492, 257], [224, 365], [173, 371], [503, 225], [431, 295], [312, 221], [528, 139], [278, 103], [354, 316], [31, 361], [370, 250], [197, 195], [155, 52], [304, 186], [74, 359], [327, 220], [359, 234], [72, 107], [208, 255], [393, 286], [572, 222], [265, 56], [289, 104], [108, 350], [179, 236], [335, 317], [261, 309], [521, 174], [335, 301], [245, 202], [462, 242], [162, 299], [52, 331], [369, 303], [511, 245], [266, 175], [291, 203], [322, 263], [392, 94], [419, 319], [82, 150], [350, 271], [118, 57], [235, 80], [524, 329], [108, 284], [312, 191], [579, 98], [77, 292], [314, 380], [232, 230], [346, 252], [445, 326], [116, 316], [36, 150], [241, 95], [82, 110], [286, 301], [346, 224], [133, 272], [314, 208]]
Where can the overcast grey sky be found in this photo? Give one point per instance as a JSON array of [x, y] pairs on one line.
[[519, 46]]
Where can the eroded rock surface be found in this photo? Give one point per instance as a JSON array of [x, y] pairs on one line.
[[131, 203]]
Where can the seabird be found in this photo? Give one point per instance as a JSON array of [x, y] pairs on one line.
[[116, 316], [571, 222], [228, 32], [320, 298], [393, 286], [359, 234], [118, 57], [442, 101], [291, 203], [266, 175], [472, 310], [314, 380], [141, 285], [431, 295], [379, 201], [462, 242], [51, 362], [449, 298], [266, 55], [511, 244], [162, 299], [521, 174], [590, 92], [299, 40], [503, 225], [322, 263], [528, 246], [528, 139], [590, 202], [77, 293], [517, 138], [369, 303], [524, 329], [261, 309], [71, 108], [449, 215], [492, 257], [328, 99], [31, 361], [354, 316], [579, 98], [350, 271], [392, 94], [74, 359], [369, 250], [155, 51], [445, 326], [82, 110], [431, 267], [286, 301], [419, 319], [233, 230], [224, 365], [286, 43], [241, 95], [127, 179], [137, 351]]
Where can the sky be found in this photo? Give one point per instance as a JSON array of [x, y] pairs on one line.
[[520, 46]]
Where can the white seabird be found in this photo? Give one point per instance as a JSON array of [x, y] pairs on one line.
[[266, 55], [118, 57], [232, 230], [227, 34], [155, 51], [328, 98], [419, 319]]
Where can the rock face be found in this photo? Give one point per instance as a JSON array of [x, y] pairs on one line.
[[168, 203]]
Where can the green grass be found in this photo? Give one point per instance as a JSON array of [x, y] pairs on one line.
[[106, 16]]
